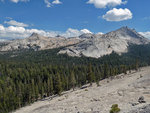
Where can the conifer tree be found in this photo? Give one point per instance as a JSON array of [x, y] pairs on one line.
[[106, 71], [90, 75], [33, 90], [49, 86], [42, 92], [72, 80], [58, 84], [137, 65], [36, 92]]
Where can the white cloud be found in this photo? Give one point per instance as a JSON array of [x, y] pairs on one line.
[[100, 33], [75, 32], [16, 1], [145, 34], [12, 29], [85, 31], [13, 32], [15, 23], [105, 3], [56, 2], [2, 28], [118, 14], [47, 2]]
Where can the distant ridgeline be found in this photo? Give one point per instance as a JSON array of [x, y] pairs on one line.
[[27, 76]]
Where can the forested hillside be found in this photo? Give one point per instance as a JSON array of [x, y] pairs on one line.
[[27, 76]]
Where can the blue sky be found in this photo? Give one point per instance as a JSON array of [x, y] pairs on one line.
[[72, 16]]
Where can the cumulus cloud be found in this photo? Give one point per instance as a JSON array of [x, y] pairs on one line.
[[16, 1], [118, 14], [2, 28], [49, 4], [145, 34], [105, 3], [100, 33], [56, 2], [13, 32], [15, 29], [15, 23], [75, 32], [85, 31]]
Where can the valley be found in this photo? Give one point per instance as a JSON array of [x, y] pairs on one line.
[[74, 56], [37, 74]]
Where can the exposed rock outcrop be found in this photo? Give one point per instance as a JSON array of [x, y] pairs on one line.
[[38, 42], [89, 45], [100, 45], [100, 99]]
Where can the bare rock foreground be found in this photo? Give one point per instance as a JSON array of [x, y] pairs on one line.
[[124, 90]]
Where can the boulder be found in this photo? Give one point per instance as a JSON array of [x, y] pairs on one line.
[[141, 100]]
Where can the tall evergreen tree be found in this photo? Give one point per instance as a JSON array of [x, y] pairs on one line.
[[49, 86], [90, 75], [106, 71], [58, 84], [72, 80], [36, 92], [137, 65], [33, 90]]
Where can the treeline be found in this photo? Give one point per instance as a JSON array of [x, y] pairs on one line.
[[27, 76]]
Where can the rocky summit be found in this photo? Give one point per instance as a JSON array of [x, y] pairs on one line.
[[97, 45], [89, 45], [38, 42]]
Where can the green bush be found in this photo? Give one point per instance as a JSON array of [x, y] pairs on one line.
[[86, 89], [114, 108]]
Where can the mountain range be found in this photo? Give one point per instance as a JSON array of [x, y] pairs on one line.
[[89, 45]]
